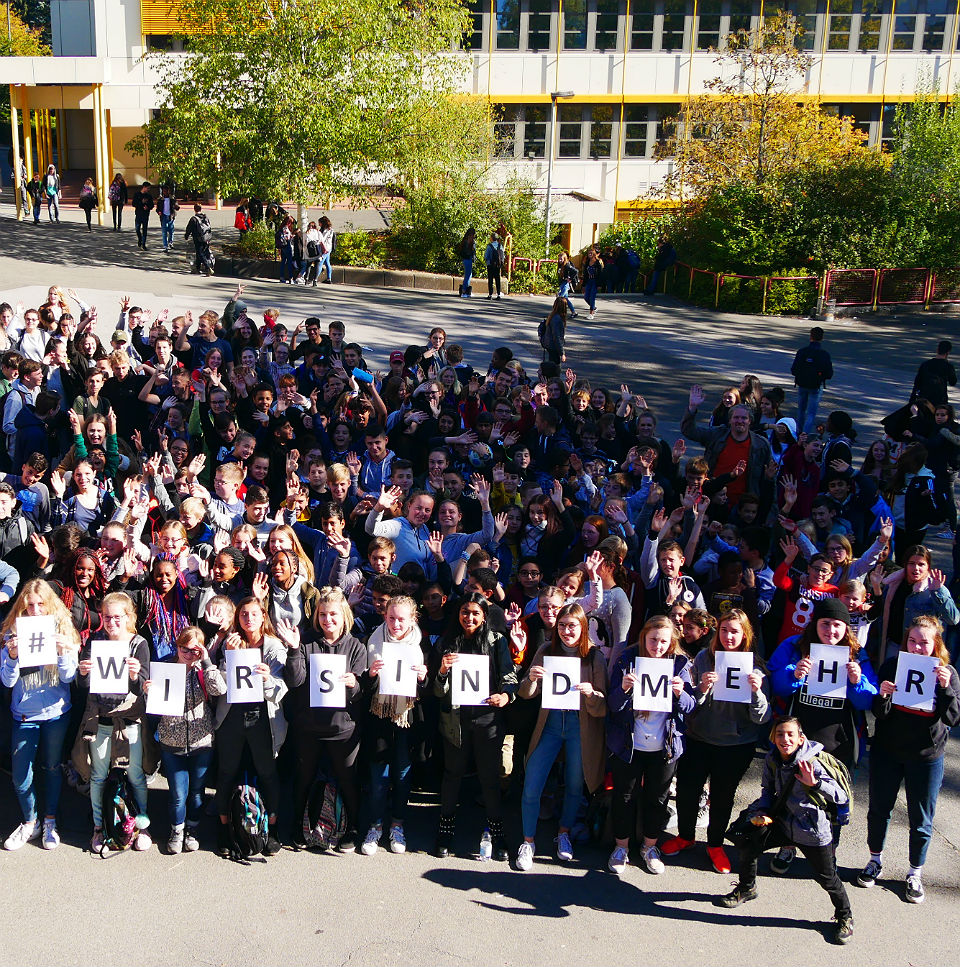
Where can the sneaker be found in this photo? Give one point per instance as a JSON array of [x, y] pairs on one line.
[[870, 874], [224, 844], [719, 859], [175, 842], [914, 892], [844, 931], [946, 533], [619, 861], [143, 842], [96, 841], [23, 834], [564, 847], [780, 864], [525, 857], [398, 842], [349, 842], [273, 845], [651, 860], [372, 841], [190, 843], [737, 896], [498, 297], [51, 838], [677, 844], [591, 315]]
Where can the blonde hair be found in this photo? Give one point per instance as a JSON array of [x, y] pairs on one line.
[[124, 602], [52, 606], [335, 597], [230, 471], [659, 622], [338, 473], [403, 601], [174, 525], [193, 505]]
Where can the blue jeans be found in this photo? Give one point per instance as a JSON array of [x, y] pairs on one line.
[[28, 737], [53, 207], [564, 293], [100, 749], [389, 763], [36, 211], [185, 777], [288, 265], [560, 731], [140, 223], [467, 274], [166, 230], [807, 402], [324, 261], [923, 780], [590, 293]]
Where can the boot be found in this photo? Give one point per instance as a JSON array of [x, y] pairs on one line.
[[500, 853], [224, 844], [445, 836]]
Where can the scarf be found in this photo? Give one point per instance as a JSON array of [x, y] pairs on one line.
[[396, 708]]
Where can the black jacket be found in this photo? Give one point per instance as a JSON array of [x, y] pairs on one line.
[[143, 204], [812, 366]]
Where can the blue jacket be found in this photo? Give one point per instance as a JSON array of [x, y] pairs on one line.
[[783, 664], [33, 698], [621, 715]]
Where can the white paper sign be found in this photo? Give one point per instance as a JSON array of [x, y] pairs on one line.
[[168, 688], [561, 676], [243, 683], [36, 643], [108, 671], [916, 681], [732, 669], [653, 690], [327, 690], [828, 676], [398, 677], [470, 680]]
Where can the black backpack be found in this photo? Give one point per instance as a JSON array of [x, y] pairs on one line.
[[807, 369], [247, 823], [118, 814], [206, 232], [542, 332]]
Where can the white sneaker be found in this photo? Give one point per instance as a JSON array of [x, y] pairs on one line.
[[651, 860], [372, 842], [23, 834], [619, 861], [143, 842], [190, 843], [564, 847], [51, 838], [525, 857], [398, 842]]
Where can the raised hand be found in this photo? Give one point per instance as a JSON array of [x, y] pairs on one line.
[[790, 549], [435, 545], [696, 398]]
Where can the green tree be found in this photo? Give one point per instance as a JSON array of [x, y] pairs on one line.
[[25, 41], [751, 127], [293, 98]]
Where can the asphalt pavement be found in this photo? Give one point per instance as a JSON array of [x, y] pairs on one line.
[[300, 908]]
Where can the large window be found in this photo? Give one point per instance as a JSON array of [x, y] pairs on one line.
[[534, 131], [539, 16], [601, 131], [717, 19], [569, 131], [804, 12], [473, 39], [607, 25], [508, 24], [575, 25], [660, 25], [636, 118], [582, 131]]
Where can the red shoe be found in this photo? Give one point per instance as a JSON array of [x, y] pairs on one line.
[[677, 844], [718, 857]]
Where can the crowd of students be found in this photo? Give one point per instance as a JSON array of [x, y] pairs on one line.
[[205, 485]]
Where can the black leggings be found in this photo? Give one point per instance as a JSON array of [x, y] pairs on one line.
[[724, 766], [232, 736], [117, 215], [485, 740], [821, 858], [341, 753], [652, 770]]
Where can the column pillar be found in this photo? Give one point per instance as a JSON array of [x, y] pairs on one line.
[[15, 141]]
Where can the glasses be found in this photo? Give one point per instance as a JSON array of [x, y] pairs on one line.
[[529, 574]]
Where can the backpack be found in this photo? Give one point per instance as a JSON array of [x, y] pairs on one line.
[[118, 814], [324, 817], [206, 232], [840, 774], [807, 369], [542, 332], [247, 823], [113, 193]]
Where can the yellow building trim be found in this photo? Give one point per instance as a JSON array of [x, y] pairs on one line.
[[828, 96], [162, 17]]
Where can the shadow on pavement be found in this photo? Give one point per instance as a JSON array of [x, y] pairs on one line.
[[551, 894]]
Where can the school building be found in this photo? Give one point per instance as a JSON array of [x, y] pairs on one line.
[[597, 79]]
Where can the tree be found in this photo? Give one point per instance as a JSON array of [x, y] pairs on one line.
[[754, 126], [294, 98], [25, 41]]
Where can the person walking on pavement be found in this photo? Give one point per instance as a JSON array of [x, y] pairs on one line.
[[935, 376], [143, 204], [117, 193], [88, 200], [494, 256], [51, 191], [198, 228], [167, 208], [467, 252], [35, 191], [811, 369]]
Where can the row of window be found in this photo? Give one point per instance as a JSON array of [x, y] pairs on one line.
[[681, 25], [593, 131]]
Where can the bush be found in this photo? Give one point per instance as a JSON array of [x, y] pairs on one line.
[[258, 243], [366, 250], [523, 281]]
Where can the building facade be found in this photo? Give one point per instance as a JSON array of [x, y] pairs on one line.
[[627, 66]]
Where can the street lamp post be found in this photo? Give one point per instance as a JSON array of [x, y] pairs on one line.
[[554, 97]]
